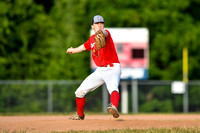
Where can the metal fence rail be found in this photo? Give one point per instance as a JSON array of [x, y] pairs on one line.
[[58, 96], [48, 83]]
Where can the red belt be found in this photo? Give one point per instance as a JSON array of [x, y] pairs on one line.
[[108, 65]]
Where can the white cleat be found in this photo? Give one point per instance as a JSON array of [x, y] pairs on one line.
[[113, 110]]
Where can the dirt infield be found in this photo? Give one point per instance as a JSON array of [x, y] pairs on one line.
[[96, 122]]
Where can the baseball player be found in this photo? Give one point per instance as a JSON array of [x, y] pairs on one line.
[[108, 68]]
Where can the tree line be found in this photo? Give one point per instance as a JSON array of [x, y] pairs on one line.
[[34, 36]]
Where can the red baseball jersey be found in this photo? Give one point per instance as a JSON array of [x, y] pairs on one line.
[[104, 56]]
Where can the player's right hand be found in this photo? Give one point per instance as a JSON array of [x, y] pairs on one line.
[[70, 50]]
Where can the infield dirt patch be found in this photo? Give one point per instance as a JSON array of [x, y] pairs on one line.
[[96, 122]]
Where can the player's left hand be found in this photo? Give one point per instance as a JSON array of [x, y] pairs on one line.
[[100, 41]]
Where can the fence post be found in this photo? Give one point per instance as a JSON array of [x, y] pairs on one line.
[[134, 85], [185, 99], [50, 99], [185, 79], [124, 98], [104, 98]]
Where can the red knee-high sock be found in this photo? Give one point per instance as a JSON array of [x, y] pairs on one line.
[[114, 98], [80, 103]]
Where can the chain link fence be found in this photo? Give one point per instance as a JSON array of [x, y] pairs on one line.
[[35, 96]]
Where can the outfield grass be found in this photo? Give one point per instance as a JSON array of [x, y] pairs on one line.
[[152, 130]]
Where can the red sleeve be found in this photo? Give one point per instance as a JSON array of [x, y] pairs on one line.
[[108, 37], [108, 32], [87, 44]]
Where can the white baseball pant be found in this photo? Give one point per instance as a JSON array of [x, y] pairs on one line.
[[108, 75]]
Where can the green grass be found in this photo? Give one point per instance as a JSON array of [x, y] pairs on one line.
[[151, 130]]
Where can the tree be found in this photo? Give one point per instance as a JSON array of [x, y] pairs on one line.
[[25, 38]]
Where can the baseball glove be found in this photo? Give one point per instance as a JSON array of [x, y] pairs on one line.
[[100, 39]]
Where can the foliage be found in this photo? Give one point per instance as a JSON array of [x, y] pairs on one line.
[[23, 98], [25, 40], [34, 36]]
